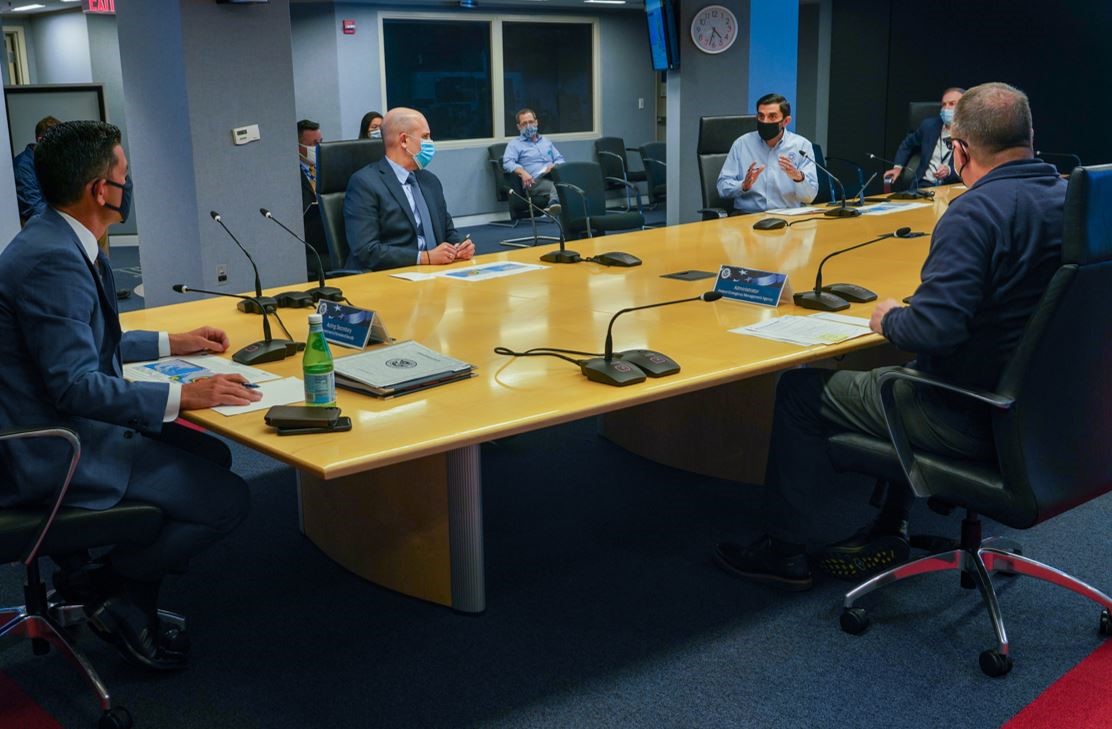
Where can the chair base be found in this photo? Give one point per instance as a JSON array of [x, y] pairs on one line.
[[528, 241], [977, 564]]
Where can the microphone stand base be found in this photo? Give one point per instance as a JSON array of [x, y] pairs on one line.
[[294, 299], [249, 307], [653, 364], [850, 292], [328, 293], [264, 351], [820, 301], [612, 372], [561, 256], [842, 212]]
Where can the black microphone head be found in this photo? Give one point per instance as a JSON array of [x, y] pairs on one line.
[[180, 288], [264, 212], [711, 296], [903, 232], [872, 156], [215, 215]]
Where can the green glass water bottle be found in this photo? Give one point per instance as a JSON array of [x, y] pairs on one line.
[[320, 376]]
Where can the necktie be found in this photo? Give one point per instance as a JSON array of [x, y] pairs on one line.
[[420, 213], [108, 282]]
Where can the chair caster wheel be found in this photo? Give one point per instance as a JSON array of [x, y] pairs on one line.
[[1106, 622], [854, 620], [995, 664], [115, 718]]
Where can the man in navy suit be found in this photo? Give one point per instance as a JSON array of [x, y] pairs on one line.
[[932, 141], [61, 364], [394, 209]]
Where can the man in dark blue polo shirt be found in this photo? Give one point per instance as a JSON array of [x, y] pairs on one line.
[[27, 191], [992, 255]]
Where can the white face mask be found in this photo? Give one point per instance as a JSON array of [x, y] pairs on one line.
[[308, 154], [375, 134]]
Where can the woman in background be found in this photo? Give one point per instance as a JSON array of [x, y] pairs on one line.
[[370, 127]]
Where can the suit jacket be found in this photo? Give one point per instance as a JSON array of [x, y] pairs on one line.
[[27, 191], [379, 224], [308, 197], [923, 140], [61, 363]]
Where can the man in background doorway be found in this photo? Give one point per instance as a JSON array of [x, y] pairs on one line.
[[27, 191]]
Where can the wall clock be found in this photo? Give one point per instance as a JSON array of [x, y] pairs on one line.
[[714, 29]]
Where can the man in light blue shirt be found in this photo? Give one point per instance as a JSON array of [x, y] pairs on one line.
[[771, 167], [531, 157]]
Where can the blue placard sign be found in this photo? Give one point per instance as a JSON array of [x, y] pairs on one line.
[[766, 288], [349, 326]]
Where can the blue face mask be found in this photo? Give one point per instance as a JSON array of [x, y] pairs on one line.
[[124, 208], [530, 131], [425, 155], [947, 116]]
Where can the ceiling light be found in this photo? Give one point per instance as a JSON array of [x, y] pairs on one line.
[[32, 6], [605, 2]]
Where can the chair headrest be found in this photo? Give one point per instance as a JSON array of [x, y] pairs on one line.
[[1087, 223], [337, 161], [718, 133], [918, 111]]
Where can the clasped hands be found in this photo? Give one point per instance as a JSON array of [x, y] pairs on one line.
[[451, 252]]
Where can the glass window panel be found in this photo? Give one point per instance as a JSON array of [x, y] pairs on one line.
[[548, 68]]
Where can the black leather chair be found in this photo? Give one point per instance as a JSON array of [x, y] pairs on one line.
[[504, 182], [828, 189], [1050, 419], [611, 155], [336, 163], [917, 112], [583, 202], [654, 156], [1063, 161], [29, 532], [716, 135]]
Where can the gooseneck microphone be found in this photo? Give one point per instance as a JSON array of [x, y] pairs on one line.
[[913, 193], [562, 255], [839, 212], [269, 349], [836, 297], [249, 304], [329, 293], [631, 366]]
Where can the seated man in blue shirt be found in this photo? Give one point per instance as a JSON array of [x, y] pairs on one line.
[[991, 257], [767, 169], [27, 191], [531, 157], [932, 142]]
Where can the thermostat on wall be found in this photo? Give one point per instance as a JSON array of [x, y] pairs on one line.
[[243, 135]]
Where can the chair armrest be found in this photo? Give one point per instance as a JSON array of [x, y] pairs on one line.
[[582, 196], [712, 213], [647, 160], [620, 181], [74, 443], [898, 434], [617, 157]]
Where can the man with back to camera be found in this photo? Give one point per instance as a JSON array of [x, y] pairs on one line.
[[991, 256], [309, 136], [27, 191], [766, 169], [932, 141], [62, 367], [394, 209], [531, 157]]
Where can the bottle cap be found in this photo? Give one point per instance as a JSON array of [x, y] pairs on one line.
[[315, 319]]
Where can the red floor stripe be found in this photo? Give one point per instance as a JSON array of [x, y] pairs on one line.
[[1079, 700], [18, 710]]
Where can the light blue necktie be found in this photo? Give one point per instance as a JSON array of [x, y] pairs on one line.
[[420, 213]]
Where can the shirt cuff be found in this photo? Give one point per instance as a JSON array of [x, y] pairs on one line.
[[164, 345], [173, 403]]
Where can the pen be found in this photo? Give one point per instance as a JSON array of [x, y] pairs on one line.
[[251, 385], [465, 239]]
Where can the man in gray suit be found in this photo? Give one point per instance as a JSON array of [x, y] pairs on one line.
[[61, 364], [394, 209]]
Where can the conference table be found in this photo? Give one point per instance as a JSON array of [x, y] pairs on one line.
[[398, 499]]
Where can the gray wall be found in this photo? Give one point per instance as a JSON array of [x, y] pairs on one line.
[[62, 48], [9, 212], [104, 54], [315, 65], [181, 115]]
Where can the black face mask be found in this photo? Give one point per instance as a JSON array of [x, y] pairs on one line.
[[768, 130], [124, 208]]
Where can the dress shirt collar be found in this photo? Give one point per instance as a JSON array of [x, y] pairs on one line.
[[401, 172], [88, 240]]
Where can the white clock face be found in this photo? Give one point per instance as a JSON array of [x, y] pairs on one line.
[[713, 29]]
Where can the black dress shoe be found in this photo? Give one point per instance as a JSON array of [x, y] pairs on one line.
[[868, 552], [129, 630], [759, 563]]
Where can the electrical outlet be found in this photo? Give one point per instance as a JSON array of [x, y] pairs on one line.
[[222, 274]]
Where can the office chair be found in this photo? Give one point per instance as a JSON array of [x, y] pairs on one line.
[[611, 155], [336, 163], [654, 156], [917, 113], [29, 532], [519, 210], [1063, 161], [828, 189], [583, 201], [1050, 420], [716, 135]]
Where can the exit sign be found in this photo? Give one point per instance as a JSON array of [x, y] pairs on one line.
[[106, 7]]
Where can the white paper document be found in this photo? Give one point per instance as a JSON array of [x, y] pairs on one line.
[[285, 391], [808, 331], [805, 210], [887, 208], [484, 271], [192, 367], [413, 275]]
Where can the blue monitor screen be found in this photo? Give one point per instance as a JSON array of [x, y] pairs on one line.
[[663, 40]]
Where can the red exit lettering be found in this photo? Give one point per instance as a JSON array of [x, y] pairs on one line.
[[101, 6]]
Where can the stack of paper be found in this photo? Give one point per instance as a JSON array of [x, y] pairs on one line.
[[808, 330]]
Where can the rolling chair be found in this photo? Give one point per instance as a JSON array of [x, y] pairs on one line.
[[583, 201], [1063, 161], [1050, 422], [336, 163], [654, 157], [716, 135], [29, 532], [611, 154], [917, 112], [519, 210]]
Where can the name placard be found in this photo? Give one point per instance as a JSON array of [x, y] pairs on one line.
[[765, 288], [349, 326]]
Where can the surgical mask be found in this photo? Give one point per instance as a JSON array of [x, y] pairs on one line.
[[308, 154], [425, 154], [529, 131], [125, 202], [947, 116], [768, 130], [375, 134]]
